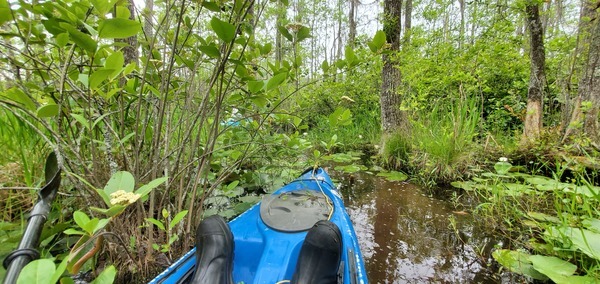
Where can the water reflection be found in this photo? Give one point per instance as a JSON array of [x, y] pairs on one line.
[[407, 237]]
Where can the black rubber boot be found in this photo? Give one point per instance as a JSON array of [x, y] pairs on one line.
[[320, 255], [214, 252]]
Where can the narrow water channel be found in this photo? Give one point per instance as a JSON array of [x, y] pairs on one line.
[[408, 237]]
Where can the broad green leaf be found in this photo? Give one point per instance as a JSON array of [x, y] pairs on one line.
[[586, 241], [349, 55], [99, 76], [543, 217], [121, 180], [5, 14], [81, 219], [276, 81], [502, 168], [118, 28], [517, 262], [17, 95], [255, 86], [145, 189], [103, 6], [157, 223], [224, 30], [177, 219], [325, 66], [232, 185], [393, 176], [303, 34], [211, 5], [49, 110], [112, 211], [37, 271], [378, 41], [123, 12], [351, 168], [115, 61], [285, 33], [592, 224], [62, 39], [80, 39], [91, 226], [100, 225], [59, 270], [106, 277], [266, 49], [555, 268], [72, 231], [210, 51]]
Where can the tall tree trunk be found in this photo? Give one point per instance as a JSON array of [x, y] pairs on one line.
[[130, 51], [408, 5], [537, 76], [148, 21], [352, 23], [392, 117], [461, 33], [586, 106]]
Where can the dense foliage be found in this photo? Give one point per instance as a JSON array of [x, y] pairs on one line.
[[203, 106]]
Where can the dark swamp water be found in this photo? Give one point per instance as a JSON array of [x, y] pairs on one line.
[[408, 237]]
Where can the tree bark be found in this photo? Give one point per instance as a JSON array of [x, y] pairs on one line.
[[584, 115], [392, 118], [352, 23], [537, 77], [408, 6]]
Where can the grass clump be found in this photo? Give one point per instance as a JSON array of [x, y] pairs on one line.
[[441, 145]]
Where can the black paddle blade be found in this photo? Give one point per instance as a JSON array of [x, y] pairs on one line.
[[52, 171]]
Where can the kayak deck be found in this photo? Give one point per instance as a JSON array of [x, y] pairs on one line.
[[265, 255]]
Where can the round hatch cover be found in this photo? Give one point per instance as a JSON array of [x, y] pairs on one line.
[[294, 211]]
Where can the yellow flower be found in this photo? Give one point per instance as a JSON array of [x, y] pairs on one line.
[[123, 198]]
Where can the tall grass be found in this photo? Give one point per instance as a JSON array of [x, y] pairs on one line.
[[441, 143]]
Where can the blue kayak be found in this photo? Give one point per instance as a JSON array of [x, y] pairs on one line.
[[268, 237]]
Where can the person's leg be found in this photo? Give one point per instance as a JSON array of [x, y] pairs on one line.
[[214, 252], [320, 255]]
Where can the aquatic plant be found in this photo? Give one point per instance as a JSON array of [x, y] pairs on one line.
[[557, 222]]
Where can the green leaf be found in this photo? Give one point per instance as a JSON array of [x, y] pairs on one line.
[[502, 168], [285, 33], [276, 81], [91, 226], [49, 110], [517, 262], [145, 189], [121, 180], [103, 6], [118, 28], [72, 231], [100, 225], [325, 66], [210, 51], [83, 40], [224, 30], [177, 219], [212, 6], [349, 54], [586, 241], [255, 86], [112, 211], [303, 34], [99, 76], [81, 219], [115, 61], [17, 95], [5, 14], [543, 217], [157, 223], [378, 41], [555, 268], [106, 277], [62, 39], [59, 270], [393, 176], [37, 272]]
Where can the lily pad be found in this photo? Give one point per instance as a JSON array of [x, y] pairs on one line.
[[555, 268], [517, 262], [393, 176], [543, 217]]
